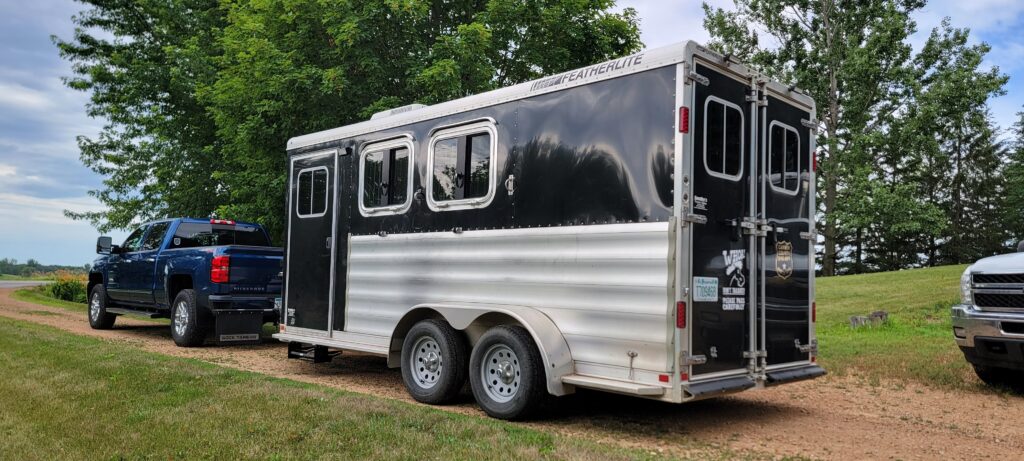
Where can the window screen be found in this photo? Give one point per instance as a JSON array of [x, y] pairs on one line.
[[386, 177], [723, 139], [784, 157], [155, 236], [462, 167], [193, 235], [312, 192]]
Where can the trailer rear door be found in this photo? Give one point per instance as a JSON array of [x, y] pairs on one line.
[[720, 324], [308, 270], [786, 212]]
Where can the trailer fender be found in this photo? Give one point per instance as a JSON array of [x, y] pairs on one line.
[[548, 338]]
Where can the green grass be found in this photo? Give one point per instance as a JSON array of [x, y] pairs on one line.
[[67, 396], [39, 295], [915, 344]]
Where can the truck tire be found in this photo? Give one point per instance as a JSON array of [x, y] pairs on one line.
[[99, 319], [507, 373], [1000, 377], [434, 357], [187, 328]]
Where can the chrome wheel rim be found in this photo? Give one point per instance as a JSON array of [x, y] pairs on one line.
[[181, 318], [94, 308], [426, 362], [501, 373]]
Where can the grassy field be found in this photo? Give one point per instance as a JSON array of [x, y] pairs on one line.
[[917, 341], [91, 399]]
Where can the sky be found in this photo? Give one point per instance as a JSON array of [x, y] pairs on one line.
[[41, 176]]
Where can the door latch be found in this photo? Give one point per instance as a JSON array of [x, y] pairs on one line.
[[327, 244], [510, 184], [687, 359], [810, 348], [695, 218]]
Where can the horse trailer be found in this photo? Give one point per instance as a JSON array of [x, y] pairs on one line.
[[644, 226]]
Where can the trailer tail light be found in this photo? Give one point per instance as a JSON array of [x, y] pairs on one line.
[[681, 314], [222, 221], [663, 378], [684, 119], [814, 162], [814, 312], [684, 376], [220, 269]]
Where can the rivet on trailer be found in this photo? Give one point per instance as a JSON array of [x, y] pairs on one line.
[[642, 226]]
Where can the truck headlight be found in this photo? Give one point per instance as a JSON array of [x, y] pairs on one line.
[[966, 297]]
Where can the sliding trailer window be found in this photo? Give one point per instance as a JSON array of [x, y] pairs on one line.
[[723, 139], [462, 166], [311, 201], [784, 158], [385, 172]]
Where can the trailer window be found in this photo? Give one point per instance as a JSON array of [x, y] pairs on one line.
[[723, 139], [784, 158], [312, 193], [385, 169], [462, 167]]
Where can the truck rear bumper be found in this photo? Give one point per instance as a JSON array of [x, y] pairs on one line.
[[991, 339]]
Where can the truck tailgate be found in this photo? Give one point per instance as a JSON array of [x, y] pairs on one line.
[[254, 269]]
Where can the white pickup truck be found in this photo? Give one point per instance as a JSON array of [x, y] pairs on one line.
[[989, 322]]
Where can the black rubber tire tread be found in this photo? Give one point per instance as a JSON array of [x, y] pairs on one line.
[[195, 331], [454, 356], [105, 320], [533, 391], [1000, 377]]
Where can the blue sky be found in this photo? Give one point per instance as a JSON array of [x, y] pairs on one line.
[[40, 175]]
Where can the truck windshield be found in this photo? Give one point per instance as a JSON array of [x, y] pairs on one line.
[[191, 235]]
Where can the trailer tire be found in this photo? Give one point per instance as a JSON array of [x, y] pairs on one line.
[[99, 318], [507, 373], [187, 328], [434, 357]]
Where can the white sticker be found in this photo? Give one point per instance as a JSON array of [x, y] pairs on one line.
[[732, 304], [700, 203], [705, 289], [734, 267], [733, 291]]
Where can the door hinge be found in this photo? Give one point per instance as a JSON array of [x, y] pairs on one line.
[[812, 235], [810, 348], [695, 218], [698, 78], [754, 354], [687, 359], [748, 226], [810, 124]]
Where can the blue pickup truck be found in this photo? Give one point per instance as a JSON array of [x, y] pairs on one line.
[[209, 276]]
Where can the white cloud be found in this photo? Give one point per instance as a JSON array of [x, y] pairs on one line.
[[19, 97], [7, 170]]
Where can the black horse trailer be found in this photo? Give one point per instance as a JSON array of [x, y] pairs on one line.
[[643, 226]]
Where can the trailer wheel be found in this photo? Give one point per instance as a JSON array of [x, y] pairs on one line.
[[186, 326], [434, 359], [507, 373], [99, 319]]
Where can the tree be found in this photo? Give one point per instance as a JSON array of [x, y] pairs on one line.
[[1013, 202], [201, 96]]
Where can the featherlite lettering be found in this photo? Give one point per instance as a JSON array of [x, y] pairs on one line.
[[588, 72]]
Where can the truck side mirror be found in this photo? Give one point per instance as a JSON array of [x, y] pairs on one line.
[[1020, 247], [103, 245]]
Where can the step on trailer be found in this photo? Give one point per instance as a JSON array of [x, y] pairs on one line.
[[643, 226]]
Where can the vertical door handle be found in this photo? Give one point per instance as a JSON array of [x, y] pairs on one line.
[[328, 243], [510, 184]]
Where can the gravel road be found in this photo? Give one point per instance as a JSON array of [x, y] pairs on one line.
[[831, 418]]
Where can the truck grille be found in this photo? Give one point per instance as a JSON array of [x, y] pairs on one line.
[[999, 292]]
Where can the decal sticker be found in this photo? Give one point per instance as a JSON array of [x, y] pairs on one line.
[[700, 203], [733, 304], [177, 241], [705, 289], [734, 267], [733, 291], [783, 259]]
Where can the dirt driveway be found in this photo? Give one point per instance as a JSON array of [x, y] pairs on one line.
[[832, 418]]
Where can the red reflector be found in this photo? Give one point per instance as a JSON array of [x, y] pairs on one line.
[[663, 378], [814, 162], [220, 269], [222, 221], [814, 359], [680, 314], [684, 376], [684, 119], [814, 312]]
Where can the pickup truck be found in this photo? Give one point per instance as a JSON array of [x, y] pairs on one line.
[[206, 275], [988, 324]]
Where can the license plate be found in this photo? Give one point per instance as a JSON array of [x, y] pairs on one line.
[[705, 289]]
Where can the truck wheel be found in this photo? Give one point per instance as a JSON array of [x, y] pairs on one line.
[[434, 362], [99, 319], [507, 374], [1000, 377], [186, 327]]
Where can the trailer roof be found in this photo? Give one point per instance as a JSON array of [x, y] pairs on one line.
[[634, 63]]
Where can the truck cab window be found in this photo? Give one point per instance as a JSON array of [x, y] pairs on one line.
[[134, 240], [462, 167], [155, 236], [385, 170], [312, 193], [194, 235], [784, 157], [723, 139]]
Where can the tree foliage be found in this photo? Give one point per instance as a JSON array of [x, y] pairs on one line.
[[200, 96]]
